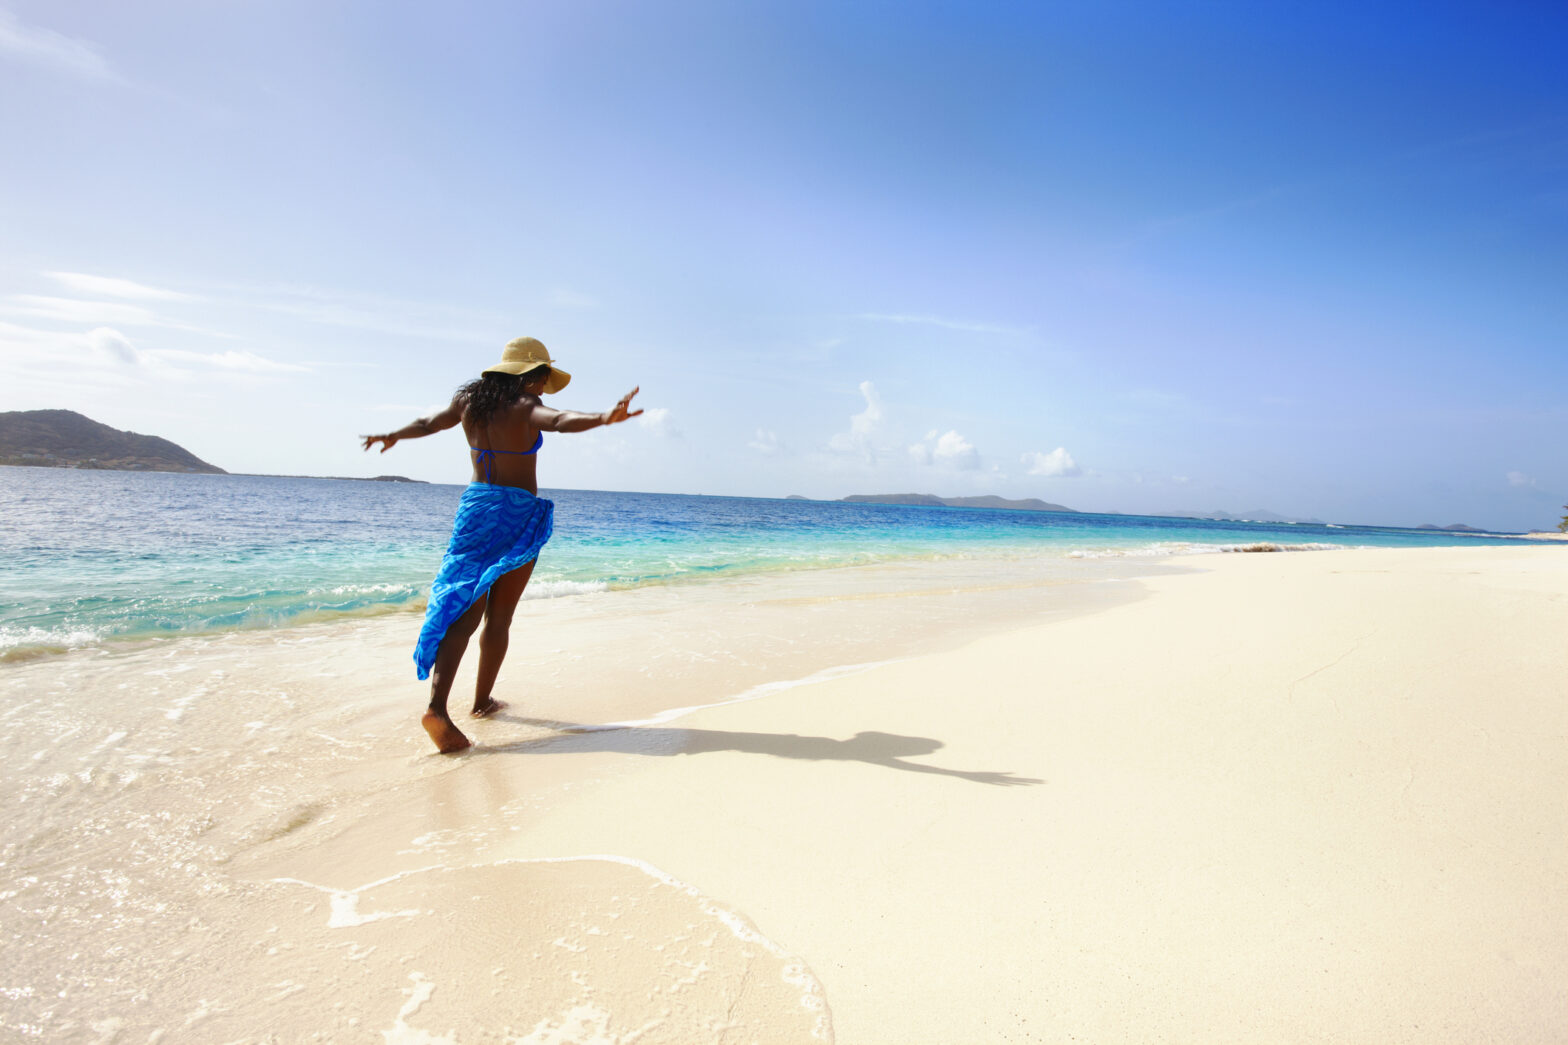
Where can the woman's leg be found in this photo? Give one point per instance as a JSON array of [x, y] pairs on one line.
[[438, 723], [496, 634]]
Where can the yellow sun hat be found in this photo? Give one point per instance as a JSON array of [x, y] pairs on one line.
[[525, 354]]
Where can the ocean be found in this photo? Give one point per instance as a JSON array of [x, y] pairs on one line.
[[98, 557]]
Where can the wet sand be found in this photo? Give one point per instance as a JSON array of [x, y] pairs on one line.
[[1284, 797]]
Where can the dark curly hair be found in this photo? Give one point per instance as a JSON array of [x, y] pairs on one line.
[[493, 391]]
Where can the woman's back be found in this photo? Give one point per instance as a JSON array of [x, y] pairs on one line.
[[504, 446]]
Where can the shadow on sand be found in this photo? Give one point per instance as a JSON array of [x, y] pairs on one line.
[[876, 749]]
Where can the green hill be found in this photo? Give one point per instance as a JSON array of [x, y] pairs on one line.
[[66, 439]]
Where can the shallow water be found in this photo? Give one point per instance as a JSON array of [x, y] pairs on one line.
[[92, 557]]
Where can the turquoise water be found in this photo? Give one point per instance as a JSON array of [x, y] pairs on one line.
[[90, 557]]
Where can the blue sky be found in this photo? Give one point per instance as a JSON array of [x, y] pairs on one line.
[[1128, 257]]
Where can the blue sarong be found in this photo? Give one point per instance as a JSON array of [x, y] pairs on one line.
[[497, 529]]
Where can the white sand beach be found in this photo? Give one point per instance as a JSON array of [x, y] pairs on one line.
[[1279, 797]]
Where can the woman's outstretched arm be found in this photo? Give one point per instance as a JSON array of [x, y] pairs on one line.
[[438, 422], [551, 420]]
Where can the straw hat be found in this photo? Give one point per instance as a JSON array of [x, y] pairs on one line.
[[525, 354]]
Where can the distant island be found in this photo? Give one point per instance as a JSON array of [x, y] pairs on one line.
[[1028, 504], [1257, 515], [339, 478], [66, 439]]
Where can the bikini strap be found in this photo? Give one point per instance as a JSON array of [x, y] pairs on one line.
[[487, 455]]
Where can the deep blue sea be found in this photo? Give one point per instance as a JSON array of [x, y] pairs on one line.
[[88, 557]]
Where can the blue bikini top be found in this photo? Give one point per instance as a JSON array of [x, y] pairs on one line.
[[487, 455]]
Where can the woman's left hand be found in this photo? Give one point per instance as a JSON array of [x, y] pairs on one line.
[[623, 409]]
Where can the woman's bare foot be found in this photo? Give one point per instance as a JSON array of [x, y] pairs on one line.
[[487, 707], [447, 736]]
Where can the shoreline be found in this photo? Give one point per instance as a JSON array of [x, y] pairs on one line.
[[893, 576], [1113, 818], [1135, 560]]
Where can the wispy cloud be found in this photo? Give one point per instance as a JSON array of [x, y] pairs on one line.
[[1520, 479], [116, 288], [76, 310], [85, 312], [115, 346], [1500, 141], [657, 420], [377, 314], [48, 49], [1145, 406], [1192, 219], [132, 306], [766, 443], [105, 355], [239, 361], [428, 410], [938, 321]]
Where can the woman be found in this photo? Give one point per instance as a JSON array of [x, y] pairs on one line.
[[501, 522]]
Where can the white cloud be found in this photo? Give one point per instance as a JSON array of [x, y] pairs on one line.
[[94, 355], [110, 342], [948, 449], [1057, 463], [766, 442], [113, 287], [657, 420], [864, 423], [937, 321], [862, 426], [45, 47], [1520, 479]]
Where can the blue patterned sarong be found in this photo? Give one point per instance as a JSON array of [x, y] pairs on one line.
[[497, 529]]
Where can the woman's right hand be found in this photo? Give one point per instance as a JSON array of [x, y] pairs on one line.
[[372, 440]]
